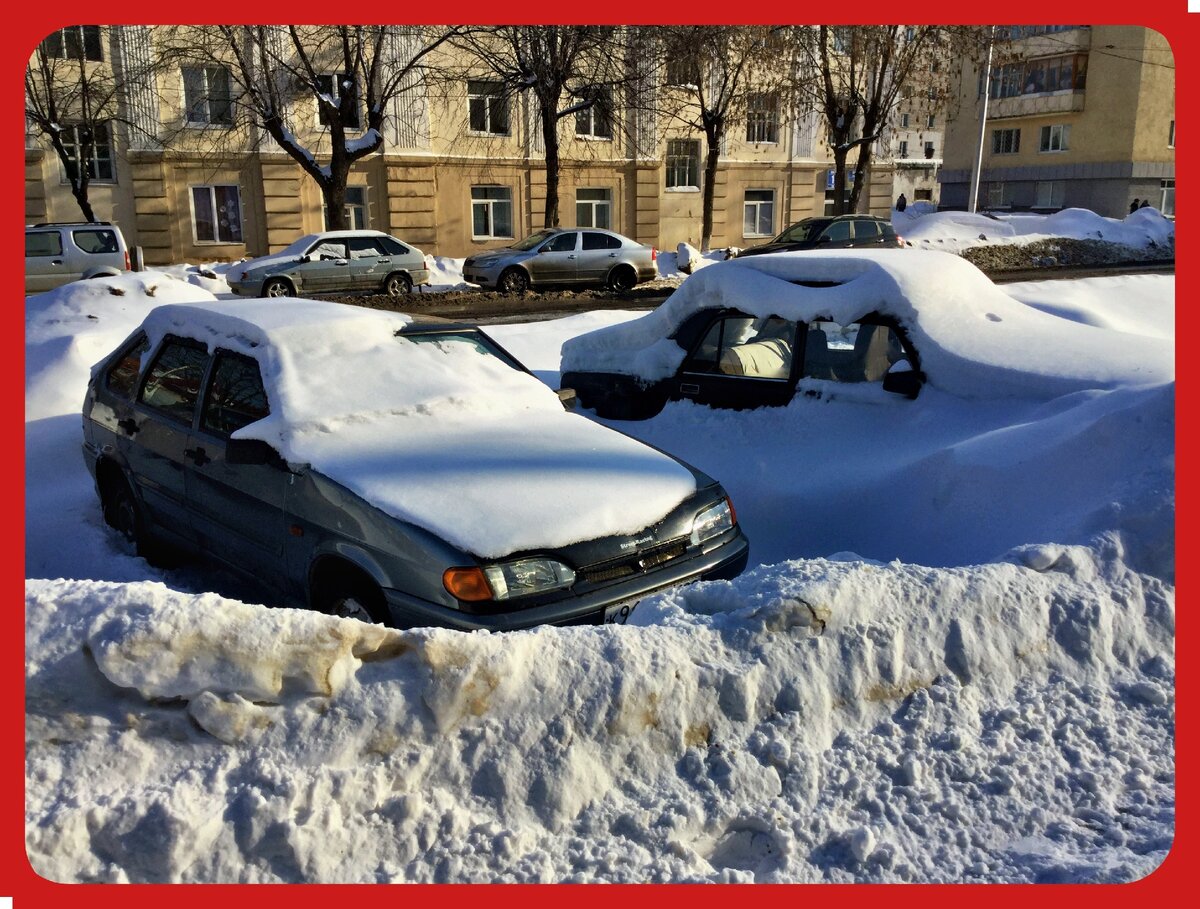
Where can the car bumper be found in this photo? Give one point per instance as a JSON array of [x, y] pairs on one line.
[[246, 288], [419, 275], [726, 560], [484, 277]]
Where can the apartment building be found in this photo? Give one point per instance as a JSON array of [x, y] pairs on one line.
[[1077, 116], [461, 167]]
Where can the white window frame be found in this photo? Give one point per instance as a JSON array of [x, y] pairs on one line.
[[594, 118], [1000, 195], [490, 205], [1171, 135], [1049, 193], [489, 98], [1167, 191], [335, 80], [930, 150], [350, 207], [904, 121], [594, 206], [94, 164], [212, 194], [903, 148], [762, 119], [757, 206], [206, 97], [1046, 139], [1013, 135], [931, 121], [672, 165]]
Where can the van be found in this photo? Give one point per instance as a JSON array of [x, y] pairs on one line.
[[58, 253]]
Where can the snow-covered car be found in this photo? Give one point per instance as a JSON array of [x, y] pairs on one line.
[[408, 474], [564, 256], [752, 332], [336, 261]]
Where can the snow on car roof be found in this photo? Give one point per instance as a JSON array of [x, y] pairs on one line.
[[437, 434], [973, 339]]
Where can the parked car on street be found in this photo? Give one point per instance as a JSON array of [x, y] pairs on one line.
[[872, 325], [56, 254], [571, 255], [833, 232], [370, 467], [336, 261]]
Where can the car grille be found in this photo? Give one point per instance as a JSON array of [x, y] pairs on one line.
[[634, 563]]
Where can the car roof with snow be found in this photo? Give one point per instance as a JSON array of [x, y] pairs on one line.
[[418, 429], [973, 338]]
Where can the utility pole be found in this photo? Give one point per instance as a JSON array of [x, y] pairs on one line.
[[977, 169]]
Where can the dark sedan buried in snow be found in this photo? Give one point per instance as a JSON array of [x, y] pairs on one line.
[[413, 475]]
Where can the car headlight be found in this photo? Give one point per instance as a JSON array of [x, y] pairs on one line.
[[487, 263], [713, 521], [508, 580]]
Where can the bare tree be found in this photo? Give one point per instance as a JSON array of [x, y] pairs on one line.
[[863, 72], [74, 98], [350, 73], [720, 77], [568, 69]]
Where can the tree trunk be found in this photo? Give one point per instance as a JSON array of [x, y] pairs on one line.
[[711, 159], [550, 142], [81, 196], [333, 191], [860, 172], [839, 179]]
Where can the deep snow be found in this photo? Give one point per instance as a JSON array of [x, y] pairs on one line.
[[955, 664]]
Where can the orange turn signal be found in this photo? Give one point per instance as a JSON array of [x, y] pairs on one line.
[[732, 511], [467, 584]]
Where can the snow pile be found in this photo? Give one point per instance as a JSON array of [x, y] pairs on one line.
[[445, 273], [972, 338], [954, 231], [212, 276], [824, 720]]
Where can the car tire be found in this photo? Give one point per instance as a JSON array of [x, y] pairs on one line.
[[123, 513], [513, 281], [278, 287], [621, 279], [398, 284], [352, 595]]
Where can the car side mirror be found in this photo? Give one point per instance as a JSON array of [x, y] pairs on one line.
[[252, 451], [306, 258], [568, 398], [824, 239], [902, 379]]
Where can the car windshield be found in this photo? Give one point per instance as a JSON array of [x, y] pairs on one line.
[[533, 240], [806, 230], [449, 342]]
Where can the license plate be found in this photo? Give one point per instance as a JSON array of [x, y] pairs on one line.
[[619, 613]]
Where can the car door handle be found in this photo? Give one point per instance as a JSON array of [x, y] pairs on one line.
[[612, 255], [572, 256], [129, 425], [384, 261], [687, 388], [198, 455], [341, 262], [56, 261]]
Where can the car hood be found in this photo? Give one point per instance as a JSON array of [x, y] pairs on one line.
[[266, 265], [507, 254]]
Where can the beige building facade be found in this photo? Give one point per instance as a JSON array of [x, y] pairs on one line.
[[1077, 117], [460, 170]]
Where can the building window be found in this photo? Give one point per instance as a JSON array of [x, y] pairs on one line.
[[1055, 138], [1049, 74], [683, 71], [75, 42], [217, 214], [355, 208], [1000, 195], [759, 213], [903, 148], [904, 121], [596, 121], [762, 118], [930, 122], [100, 163], [923, 195], [327, 84], [683, 164], [491, 212], [1167, 206], [1006, 141], [593, 208], [488, 107], [929, 150], [1050, 193], [1171, 135], [206, 95]]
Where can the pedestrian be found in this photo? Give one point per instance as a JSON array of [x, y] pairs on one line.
[[901, 203], [1133, 206], [1145, 203]]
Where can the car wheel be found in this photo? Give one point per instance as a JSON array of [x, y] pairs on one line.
[[277, 287], [124, 515], [351, 596], [622, 278], [514, 281], [398, 284]]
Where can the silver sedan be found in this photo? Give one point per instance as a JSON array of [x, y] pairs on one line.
[[564, 256]]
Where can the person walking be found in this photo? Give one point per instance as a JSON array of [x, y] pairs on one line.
[[1133, 206], [1145, 203], [901, 203]]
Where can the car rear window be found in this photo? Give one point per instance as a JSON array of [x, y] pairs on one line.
[[363, 248], [122, 375], [866, 230], [393, 247], [600, 241], [96, 241], [43, 243], [173, 382]]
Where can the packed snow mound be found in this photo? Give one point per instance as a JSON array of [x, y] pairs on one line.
[[817, 720], [954, 231], [434, 433], [1145, 306], [973, 339]]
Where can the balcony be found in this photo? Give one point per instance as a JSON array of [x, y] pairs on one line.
[[1059, 102]]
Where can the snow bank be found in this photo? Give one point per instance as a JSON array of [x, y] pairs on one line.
[[973, 339], [824, 720]]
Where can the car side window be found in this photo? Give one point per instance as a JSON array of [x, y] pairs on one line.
[[600, 241], [745, 346], [836, 232], [362, 248], [95, 241], [866, 230], [43, 243], [172, 383], [121, 378], [392, 247], [236, 396], [561, 243], [328, 249], [858, 352]]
